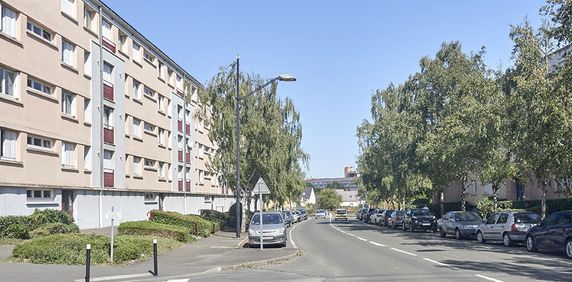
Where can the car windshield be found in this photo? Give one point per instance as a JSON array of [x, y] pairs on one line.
[[341, 212], [319, 211], [527, 218], [267, 218], [421, 212], [467, 216]]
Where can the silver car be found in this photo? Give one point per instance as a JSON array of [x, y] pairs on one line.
[[507, 226], [272, 231]]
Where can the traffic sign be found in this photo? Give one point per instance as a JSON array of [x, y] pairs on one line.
[[261, 187], [113, 215]]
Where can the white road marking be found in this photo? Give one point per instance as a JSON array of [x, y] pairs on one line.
[[117, 277], [179, 280], [360, 238], [291, 238], [377, 244], [488, 278], [402, 251], [436, 262], [166, 278]]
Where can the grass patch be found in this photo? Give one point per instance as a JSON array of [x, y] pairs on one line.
[[70, 248], [155, 229]]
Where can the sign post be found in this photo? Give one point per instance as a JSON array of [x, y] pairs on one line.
[[113, 215], [262, 189]]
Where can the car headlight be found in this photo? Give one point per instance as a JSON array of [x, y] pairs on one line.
[[469, 226], [282, 230], [251, 232]]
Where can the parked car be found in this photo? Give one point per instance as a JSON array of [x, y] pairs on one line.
[[287, 217], [375, 216], [508, 226], [273, 229], [384, 220], [320, 213], [341, 214], [554, 233], [367, 215], [395, 219], [419, 219], [462, 224], [303, 214], [295, 216], [358, 213]]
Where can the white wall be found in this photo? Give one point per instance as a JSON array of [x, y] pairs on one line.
[[13, 201]]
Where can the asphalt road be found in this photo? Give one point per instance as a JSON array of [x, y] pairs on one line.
[[357, 251]]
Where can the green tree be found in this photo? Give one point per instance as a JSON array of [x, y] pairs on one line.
[[328, 199], [334, 185]]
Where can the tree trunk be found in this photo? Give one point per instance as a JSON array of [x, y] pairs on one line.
[[543, 203], [441, 204], [463, 196]]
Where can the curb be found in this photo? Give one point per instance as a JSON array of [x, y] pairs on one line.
[[259, 263], [241, 243]]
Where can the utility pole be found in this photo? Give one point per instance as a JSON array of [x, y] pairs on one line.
[[238, 192]]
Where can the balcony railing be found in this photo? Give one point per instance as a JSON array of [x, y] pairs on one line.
[[188, 186], [180, 125], [108, 91], [180, 156], [108, 135], [108, 44], [180, 185], [108, 178]]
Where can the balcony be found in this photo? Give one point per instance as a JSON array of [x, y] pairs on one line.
[[188, 186], [180, 185], [108, 178], [108, 91], [180, 125], [180, 156], [188, 157], [108, 135], [109, 45], [180, 93], [188, 129]]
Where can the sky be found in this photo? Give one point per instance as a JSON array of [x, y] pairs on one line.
[[341, 52]]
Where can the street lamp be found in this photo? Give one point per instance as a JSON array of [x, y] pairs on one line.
[[282, 77]]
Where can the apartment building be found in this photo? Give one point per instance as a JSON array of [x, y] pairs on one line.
[[95, 117]]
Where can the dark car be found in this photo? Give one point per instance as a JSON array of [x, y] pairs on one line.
[[384, 220], [303, 214], [462, 224], [395, 219], [553, 234], [419, 219], [367, 215]]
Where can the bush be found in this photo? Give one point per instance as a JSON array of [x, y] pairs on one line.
[[18, 231], [42, 217], [54, 228], [156, 229], [70, 248], [7, 223], [195, 224], [222, 218]]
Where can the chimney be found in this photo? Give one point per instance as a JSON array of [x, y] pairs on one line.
[[347, 171]]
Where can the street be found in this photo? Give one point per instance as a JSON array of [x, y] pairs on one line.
[[357, 251]]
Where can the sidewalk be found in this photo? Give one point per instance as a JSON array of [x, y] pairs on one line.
[[216, 252]]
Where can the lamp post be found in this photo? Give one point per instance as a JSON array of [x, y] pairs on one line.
[[282, 77]]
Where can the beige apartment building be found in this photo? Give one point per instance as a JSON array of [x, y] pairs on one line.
[[88, 137]]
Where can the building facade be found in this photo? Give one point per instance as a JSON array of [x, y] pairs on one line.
[[348, 182], [95, 117]]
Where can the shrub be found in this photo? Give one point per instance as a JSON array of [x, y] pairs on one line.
[[54, 228], [18, 231], [156, 229], [42, 217], [70, 248], [8, 221], [195, 224]]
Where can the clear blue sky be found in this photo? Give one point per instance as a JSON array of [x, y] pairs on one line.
[[340, 51]]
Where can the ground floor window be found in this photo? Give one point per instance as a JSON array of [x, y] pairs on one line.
[[39, 194]]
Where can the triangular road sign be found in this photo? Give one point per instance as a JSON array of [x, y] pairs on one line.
[[261, 187]]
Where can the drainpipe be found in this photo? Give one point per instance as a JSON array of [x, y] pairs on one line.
[[184, 145], [101, 177]]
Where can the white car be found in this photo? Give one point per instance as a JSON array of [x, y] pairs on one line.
[[320, 214], [376, 216]]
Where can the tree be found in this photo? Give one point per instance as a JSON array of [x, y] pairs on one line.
[[328, 199], [334, 185]]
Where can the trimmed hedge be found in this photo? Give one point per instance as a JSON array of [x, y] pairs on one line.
[[70, 248], [222, 218], [54, 228], [194, 223], [156, 229], [20, 226]]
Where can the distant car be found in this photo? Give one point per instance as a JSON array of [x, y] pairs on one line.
[[419, 219], [341, 214], [553, 234], [508, 226], [320, 213], [367, 214], [376, 216], [462, 224], [295, 216], [303, 214], [287, 217], [384, 220], [359, 213], [395, 219], [273, 229]]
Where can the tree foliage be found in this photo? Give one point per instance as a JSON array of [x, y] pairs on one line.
[[328, 199]]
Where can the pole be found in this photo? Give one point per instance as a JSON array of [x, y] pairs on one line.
[[101, 139], [261, 208], [112, 235], [237, 192], [87, 261], [155, 265]]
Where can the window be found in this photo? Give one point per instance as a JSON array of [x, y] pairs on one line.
[[503, 218], [87, 109], [106, 30], [107, 72], [39, 142], [68, 159], [161, 137], [89, 18], [150, 197], [136, 52], [7, 82], [160, 70], [8, 144], [161, 170], [201, 180], [149, 164], [136, 89], [39, 86], [137, 171], [39, 31], [87, 157], [180, 172], [169, 140], [169, 175], [170, 76], [179, 82], [68, 53], [8, 21], [87, 63], [208, 177], [108, 160], [207, 200], [122, 41], [148, 57], [149, 128], [180, 141], [108, 117], [169, 110], [68, 7], [39, 194], [161, 103], [136, 127], [493, 218], [148, 92], [488, 189], [68, 103]]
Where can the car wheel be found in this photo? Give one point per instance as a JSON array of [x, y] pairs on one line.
[[506, 240], [442, 233], [569, 248], [480, 237], [530, 244], [458, 234]]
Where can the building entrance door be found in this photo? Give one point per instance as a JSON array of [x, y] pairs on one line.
[[67, 201]]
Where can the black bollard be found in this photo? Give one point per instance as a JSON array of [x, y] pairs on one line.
[[87, 261], [155, 266]]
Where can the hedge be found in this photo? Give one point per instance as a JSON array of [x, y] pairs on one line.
[[54, 228], [70, 248], [20, 226], [222, 218], [194, 223], [156, 229]]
